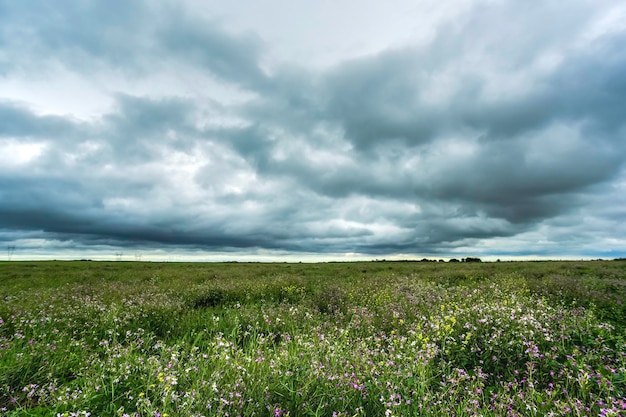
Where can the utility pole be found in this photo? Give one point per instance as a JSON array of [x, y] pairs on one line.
[[10, 251]]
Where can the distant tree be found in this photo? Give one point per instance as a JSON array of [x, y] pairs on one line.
[[453, 260], [473, 260]]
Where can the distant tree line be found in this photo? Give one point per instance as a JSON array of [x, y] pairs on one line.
[[468, 259]]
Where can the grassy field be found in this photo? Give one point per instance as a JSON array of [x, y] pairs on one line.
[[356, 339]]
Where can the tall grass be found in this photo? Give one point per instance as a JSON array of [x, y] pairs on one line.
[[362, 339]]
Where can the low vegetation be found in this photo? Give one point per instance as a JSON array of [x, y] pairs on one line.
[[357, 339]]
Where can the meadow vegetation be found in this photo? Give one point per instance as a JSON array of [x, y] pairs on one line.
[[354, 339]]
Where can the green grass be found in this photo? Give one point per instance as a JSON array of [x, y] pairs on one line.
[[354, 339]]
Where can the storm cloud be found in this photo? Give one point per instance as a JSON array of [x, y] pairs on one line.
[[487, 128]]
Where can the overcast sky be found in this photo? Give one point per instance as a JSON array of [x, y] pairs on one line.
[[313, 130]]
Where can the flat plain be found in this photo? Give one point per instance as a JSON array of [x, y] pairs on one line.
[[324, 339]]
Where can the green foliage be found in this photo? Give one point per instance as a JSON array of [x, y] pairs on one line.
[[355, 339]]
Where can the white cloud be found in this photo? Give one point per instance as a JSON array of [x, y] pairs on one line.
[[14, 154]]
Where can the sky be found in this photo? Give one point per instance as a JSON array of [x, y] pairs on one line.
[[312, 130]]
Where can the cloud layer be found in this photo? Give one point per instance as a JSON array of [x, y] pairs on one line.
[[133, 124]]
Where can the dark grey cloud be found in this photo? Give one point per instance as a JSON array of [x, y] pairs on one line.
[[231, 57], [505, 128], [19, 121], [133, 37], [77, 34], [377, 100], [135, 130]]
